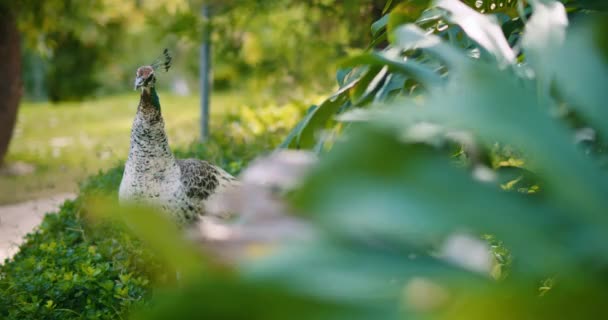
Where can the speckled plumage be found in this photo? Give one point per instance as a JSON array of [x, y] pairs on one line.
[[152, 175]]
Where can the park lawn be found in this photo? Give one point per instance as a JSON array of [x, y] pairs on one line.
[[66, 142]]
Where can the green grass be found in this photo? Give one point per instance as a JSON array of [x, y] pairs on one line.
[[69, 141]]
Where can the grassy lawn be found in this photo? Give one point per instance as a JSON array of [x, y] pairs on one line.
[[69, 141]]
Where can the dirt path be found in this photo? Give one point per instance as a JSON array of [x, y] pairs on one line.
[[16, 220]]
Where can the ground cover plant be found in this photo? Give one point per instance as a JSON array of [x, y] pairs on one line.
[[74, 268]]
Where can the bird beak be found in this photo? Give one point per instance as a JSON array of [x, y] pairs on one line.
[[138, 82]]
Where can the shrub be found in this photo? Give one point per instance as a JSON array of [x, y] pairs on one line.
[[68, 270], [73, 267]]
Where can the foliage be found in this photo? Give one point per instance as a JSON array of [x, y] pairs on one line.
[[270, 46], [72, 50], [410, 178], [256, 44], [379, 75], [287, 44], [434, 132], [73, 268], [270, 49], [245, 131], [68, 270], [396, 186], [76, 267], [75, 64]]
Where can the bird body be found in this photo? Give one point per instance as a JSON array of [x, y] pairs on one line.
[[154, 176]]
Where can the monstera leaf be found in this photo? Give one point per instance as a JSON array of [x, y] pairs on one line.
[[413, 205], [393, 203], [380, 75]]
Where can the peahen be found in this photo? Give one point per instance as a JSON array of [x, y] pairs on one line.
[[152, 174]]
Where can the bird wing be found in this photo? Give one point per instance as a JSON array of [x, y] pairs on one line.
[[201, 179], [204, 182]]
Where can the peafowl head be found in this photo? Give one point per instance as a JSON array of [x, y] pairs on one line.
[[145, 77]]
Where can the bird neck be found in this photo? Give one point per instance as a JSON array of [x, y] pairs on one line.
[[149, 98], [148, 137]]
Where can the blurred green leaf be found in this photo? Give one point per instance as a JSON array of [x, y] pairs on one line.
[[158, 231], [361, 271], [484, 29], [581, 74], [225, 298], [393, 83], [406, 199], [412, 68], [318, 120], [548, 152], [292, 139], [405, 12], [410, 36], [379, 25], [544, 32], [369, 82]]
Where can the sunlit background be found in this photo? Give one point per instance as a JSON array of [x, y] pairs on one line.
[[77, 72]]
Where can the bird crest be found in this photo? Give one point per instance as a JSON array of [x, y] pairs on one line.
[[163, 61]]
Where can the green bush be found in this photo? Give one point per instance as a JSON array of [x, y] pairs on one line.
[[75, 267], [71, 70], [68, 270]]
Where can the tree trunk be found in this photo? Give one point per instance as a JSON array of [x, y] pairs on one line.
[[10, 77]]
